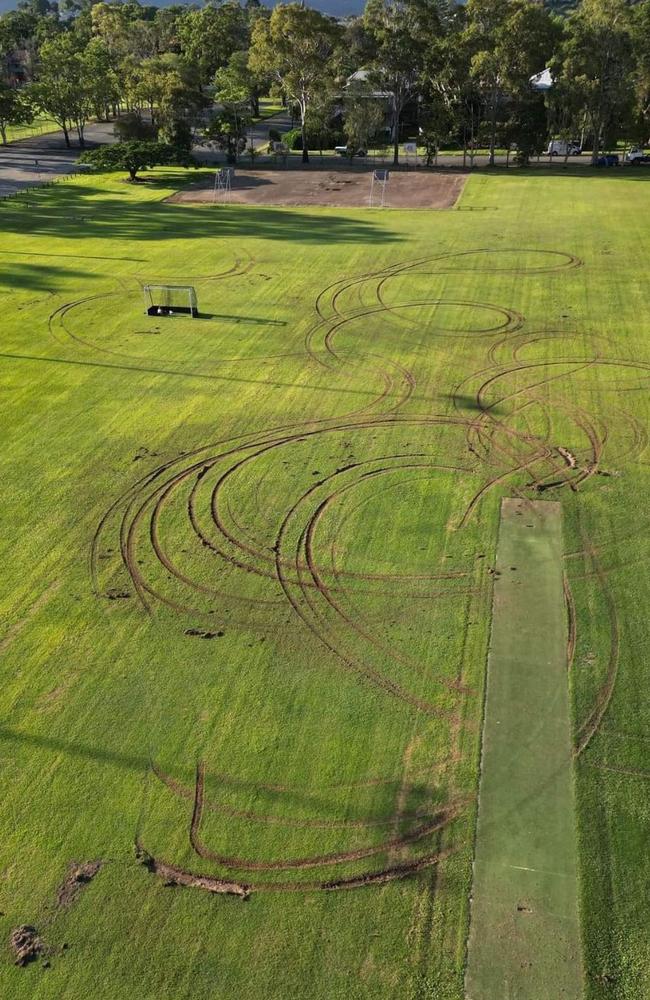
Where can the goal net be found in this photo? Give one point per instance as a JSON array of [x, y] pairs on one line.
[[170, 300]]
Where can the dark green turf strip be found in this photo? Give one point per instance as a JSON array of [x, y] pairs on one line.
[[524, 936]]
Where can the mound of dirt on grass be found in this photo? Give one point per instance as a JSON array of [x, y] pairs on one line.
[[334, 188], [79, 875], [25, 944], [172, 876]]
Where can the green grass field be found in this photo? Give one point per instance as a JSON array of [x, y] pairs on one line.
[[40, 126], [247, 577]]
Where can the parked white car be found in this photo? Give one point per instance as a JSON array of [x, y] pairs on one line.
[[559, 147], [637, 155]]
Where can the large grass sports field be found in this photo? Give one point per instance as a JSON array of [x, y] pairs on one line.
[[248, 564]]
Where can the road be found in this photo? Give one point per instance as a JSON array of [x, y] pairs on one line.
[[41, 158], [33, 161]]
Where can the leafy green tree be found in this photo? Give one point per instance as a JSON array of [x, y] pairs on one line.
[[321, 126], [641, 74], [227, 130], [167, 87], [236, 76], [526, 127], [295, 46], [21, 31], [133, 126], [595, 66], [526, 42], [62, 88], [100, 78], [210, 35], [364, 115], [452, 95], [15, 109], [401, 32], [166, 25], [484, 32], [136, 155], [126, 31]]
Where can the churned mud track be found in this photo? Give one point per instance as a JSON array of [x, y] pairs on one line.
[[152, 490], [564, 473], [259, 551], [344, 578], [142, 487], [330, 295], [146, 503], [571, 620], [241, 265], [306, 609], [443, 817], [172, 875], [590, 725], [328, 592]]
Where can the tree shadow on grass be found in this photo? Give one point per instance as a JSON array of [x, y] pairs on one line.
[[81, 211], [36, 277]]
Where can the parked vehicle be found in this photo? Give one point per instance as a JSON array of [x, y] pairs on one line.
[[560, 147], [610, 160], [636, 156], [347, 151]]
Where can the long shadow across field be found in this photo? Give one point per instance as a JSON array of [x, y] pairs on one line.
[[72, 213], [419, 794]]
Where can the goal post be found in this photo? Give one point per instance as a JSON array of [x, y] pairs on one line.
[[378, 182], [170, 300]]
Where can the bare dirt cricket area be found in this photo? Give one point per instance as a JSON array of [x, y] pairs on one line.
[[331, 188]]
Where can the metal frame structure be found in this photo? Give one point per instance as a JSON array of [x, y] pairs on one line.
[[222, 184], [378, 182], [168, 300]]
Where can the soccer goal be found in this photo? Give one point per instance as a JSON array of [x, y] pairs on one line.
[[223, 184], [170, 300], [378, 183]]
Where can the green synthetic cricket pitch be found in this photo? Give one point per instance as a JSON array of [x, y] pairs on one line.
[[248, 571], [524, 935]]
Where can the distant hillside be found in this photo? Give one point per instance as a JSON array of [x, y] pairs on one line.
[[338, 8]]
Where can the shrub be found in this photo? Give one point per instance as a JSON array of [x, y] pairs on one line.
[[328, 139], [179, 134], [293, 139], [131, 126], [136, 155]]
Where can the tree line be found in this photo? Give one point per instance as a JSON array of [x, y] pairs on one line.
[[427, 70]]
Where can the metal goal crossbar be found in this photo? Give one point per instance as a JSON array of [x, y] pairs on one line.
[[170, 300]]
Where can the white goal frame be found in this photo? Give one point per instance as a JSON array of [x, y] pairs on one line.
[[170, 300], [222, 184], [378, 183]]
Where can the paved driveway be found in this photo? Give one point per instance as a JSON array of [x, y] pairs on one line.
[[41, 158]]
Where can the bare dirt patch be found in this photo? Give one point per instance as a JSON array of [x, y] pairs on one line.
[[25, 944], [331, 188], [78, 876]]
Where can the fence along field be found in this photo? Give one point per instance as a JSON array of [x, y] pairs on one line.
[[273, 550]]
